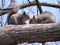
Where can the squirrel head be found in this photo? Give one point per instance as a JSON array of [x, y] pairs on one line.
[[25, 16]]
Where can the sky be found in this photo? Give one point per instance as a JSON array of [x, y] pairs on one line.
[[55, 11]]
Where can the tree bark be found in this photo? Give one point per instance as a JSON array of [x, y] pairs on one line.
[[29, 33]]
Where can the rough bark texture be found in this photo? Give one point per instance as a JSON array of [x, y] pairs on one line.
[[29, 33]]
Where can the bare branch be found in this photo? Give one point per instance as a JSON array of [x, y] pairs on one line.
[[34, 3], [38, 6], [3, 12]]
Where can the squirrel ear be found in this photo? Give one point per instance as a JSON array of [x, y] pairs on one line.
[[24, 12], [33, 16]]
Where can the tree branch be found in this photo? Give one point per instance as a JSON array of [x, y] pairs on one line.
[[38, 6], [34, 3], [29, 33], [3, 12]]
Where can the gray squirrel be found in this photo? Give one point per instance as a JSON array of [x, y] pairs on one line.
[[17, 19], [45, 17]]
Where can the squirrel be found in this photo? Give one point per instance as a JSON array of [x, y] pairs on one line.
[[16, 19], [45, 17], [32, 20]]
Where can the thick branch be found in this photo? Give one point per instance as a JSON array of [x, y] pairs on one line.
[[29, 33]]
